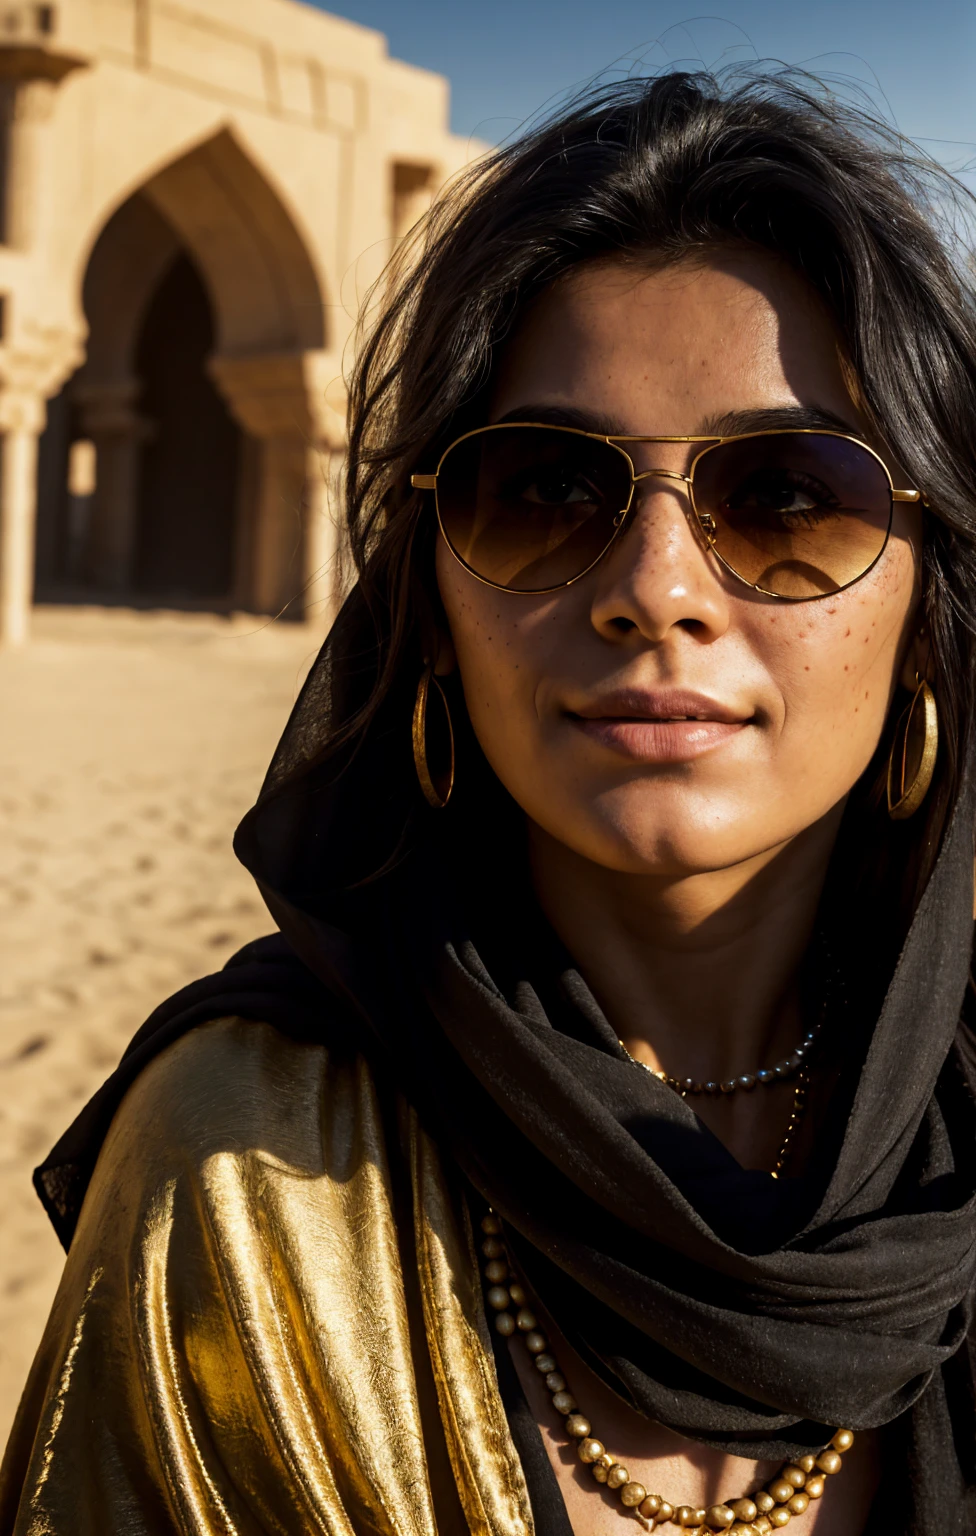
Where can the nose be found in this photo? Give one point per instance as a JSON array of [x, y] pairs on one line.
[[658, 575]]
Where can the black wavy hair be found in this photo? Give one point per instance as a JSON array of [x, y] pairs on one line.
[[663, 169]]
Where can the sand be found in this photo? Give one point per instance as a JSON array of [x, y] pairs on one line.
[[130, 745]]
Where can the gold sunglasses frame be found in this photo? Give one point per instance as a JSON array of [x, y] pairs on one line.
[[703, 523]]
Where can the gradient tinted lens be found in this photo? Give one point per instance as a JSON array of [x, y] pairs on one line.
[[531, 507], [799, 514]]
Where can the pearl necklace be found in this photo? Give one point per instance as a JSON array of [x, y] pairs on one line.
[[772, 1507]]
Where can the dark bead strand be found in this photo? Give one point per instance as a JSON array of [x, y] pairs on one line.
[[689, 1087]]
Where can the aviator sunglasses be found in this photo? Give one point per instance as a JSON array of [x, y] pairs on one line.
[[793, 513]]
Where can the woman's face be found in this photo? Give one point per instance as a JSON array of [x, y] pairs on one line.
[[577, 696]]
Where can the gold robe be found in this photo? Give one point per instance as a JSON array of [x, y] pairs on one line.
[[270, 1319]]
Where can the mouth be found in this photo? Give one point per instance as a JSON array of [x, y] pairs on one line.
[[659, 726]]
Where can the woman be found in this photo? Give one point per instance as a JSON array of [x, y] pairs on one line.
[[621, 844]]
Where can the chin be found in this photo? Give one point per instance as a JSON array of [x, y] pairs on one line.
[[668, 835]]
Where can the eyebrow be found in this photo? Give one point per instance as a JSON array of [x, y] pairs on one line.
[[796, 418], [561, 416]]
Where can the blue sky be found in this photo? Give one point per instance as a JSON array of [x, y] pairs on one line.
[[507, 58]]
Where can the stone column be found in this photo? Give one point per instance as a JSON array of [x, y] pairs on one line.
[[24, 112], [280, 400], [21, 421], [109, 418], [31, 69], [277, 540]]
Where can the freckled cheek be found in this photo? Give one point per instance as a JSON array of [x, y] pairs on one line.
[[834, 665], [501, 658]]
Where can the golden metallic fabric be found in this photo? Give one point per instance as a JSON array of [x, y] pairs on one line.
[[270, 1319]]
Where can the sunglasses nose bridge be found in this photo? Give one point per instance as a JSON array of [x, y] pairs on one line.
[[705, 520], [702, 523], [662, 474]]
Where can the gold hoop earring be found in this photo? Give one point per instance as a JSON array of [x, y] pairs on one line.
[[437, 791], [904, 798]]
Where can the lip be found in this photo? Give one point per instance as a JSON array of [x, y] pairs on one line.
[[670, 725]]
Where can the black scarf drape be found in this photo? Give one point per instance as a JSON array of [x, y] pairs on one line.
[[743, 1312]]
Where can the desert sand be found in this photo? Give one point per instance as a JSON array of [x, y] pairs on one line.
[[130, 745]]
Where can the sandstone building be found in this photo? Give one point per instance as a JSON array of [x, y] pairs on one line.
[[194, 195]]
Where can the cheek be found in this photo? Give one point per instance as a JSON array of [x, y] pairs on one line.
[[509, 649], [837, 661], [501, 643]]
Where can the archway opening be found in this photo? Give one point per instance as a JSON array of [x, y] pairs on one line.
[[176, 468], [141, 461], [187, 484]]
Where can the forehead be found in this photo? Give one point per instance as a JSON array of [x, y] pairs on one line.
[[663, 350]]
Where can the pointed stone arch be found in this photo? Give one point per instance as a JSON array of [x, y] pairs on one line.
[[264, 288], [214, 206]]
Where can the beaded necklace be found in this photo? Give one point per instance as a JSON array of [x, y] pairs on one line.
[[770, 1508], [796, 1111], [797, 1065], [765, 1077]]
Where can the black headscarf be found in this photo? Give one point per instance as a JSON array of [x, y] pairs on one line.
[[746, 1313]]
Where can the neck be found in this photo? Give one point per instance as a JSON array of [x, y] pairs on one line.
[[697, 973]]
